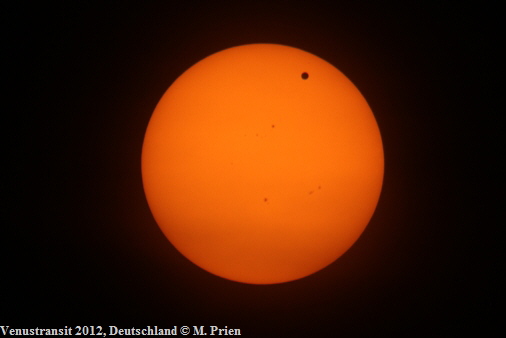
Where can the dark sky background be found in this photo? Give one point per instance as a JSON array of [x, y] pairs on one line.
[[82, 247]]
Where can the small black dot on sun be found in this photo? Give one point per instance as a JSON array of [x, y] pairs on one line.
[[304, 76]]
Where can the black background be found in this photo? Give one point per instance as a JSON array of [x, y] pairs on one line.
[[80, 244]]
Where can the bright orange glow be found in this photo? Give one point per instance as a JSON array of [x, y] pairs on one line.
[[262, 163]]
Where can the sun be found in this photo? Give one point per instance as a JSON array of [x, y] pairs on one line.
[[262, 163]]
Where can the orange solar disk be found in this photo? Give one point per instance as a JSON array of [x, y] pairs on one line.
[[262, 163]]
